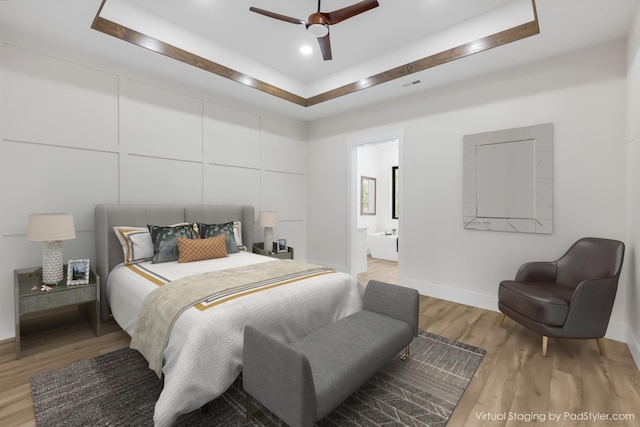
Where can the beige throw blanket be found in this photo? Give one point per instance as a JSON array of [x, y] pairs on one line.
[[162, 306]]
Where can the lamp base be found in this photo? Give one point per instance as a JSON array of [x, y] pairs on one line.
[[268, 239], [52, 273]]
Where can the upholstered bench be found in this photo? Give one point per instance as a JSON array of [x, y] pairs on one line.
[[303, 381]]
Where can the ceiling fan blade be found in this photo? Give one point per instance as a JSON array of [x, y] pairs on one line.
[[349, 11], [277, 16], [325, 47]]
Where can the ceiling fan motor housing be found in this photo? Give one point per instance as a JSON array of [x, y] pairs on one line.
[[317, 25]]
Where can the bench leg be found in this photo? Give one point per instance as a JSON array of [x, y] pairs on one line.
[[248, 408], [251, 414], [405, 355]]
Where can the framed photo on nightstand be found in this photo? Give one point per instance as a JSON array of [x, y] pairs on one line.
[[282, 246], [78, 272]]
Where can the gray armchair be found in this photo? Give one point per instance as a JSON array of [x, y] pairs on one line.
[[568, 298]]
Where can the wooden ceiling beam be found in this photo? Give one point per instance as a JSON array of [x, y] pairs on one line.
[[145, 41]]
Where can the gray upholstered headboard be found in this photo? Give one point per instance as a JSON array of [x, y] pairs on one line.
[[109, 252]]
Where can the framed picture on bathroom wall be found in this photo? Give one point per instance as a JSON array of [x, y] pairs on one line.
[[367, 195]]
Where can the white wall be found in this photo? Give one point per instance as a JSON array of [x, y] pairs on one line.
[[633, 190], [581, 93], [76, 132]]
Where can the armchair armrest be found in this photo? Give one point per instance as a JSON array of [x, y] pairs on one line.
[[541, 271], [395, 301], [268, 364], [590, 308]]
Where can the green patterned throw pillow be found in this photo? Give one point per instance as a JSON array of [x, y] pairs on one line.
[[165, 247], [213, 230]]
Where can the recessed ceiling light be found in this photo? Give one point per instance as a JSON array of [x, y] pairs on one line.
[[306, 50]]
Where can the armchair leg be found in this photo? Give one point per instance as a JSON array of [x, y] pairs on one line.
[[501, 321], [603, 351], [545, 341]]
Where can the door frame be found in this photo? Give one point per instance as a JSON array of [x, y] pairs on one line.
[[352, 180]]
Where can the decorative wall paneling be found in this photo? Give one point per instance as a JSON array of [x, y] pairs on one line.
[[73, 136], [51, 101], [149, 180], [159, 122], [232, 185], [231, 137]]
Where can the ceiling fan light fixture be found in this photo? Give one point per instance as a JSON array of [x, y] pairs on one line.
[[318, 30], [318, 23]]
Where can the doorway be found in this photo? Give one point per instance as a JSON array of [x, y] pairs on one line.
[[378, 157]]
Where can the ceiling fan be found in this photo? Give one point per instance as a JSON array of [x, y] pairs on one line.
[[318, 23]]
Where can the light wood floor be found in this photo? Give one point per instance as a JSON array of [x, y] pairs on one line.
[[513, 381]]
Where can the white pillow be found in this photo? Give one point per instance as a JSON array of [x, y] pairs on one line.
[[237, 234], [136, 243]]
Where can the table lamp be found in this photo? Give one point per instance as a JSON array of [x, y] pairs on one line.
[[51, 229], [268, 220]]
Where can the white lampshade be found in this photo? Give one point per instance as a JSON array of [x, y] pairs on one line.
[[268, 219], [50, 229]]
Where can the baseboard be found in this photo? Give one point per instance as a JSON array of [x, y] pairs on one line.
[[634, 346], [461, 296], [341, 268], [618, 331]]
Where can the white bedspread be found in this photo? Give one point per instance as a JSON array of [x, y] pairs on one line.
[[204, 354]]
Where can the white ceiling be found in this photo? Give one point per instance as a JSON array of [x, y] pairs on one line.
[[395, 33], [275, 44]]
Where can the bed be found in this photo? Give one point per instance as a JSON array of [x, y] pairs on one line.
[[203, 352]]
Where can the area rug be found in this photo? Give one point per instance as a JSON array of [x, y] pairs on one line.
[[118, 389]]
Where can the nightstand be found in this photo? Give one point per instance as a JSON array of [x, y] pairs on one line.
[[28, 300], [258, 248]]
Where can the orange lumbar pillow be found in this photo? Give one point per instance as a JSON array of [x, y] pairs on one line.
[[198, 249]]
